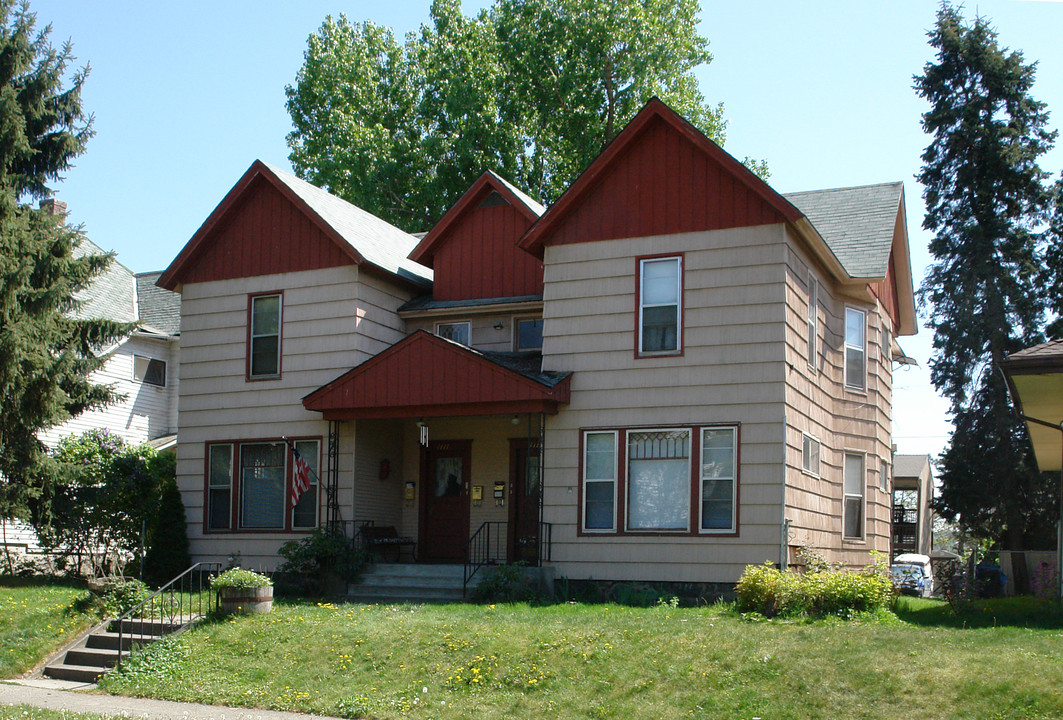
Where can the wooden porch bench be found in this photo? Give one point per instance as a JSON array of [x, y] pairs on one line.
[[381, 537]]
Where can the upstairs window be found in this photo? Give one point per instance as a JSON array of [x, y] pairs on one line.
[[529, 334], [813, 303], [855, 349], [660, 306], [459, 332], [264, 337], [149, 371]]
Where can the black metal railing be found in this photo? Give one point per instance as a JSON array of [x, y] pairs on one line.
[[183, 600], [905, 515], [487, 546]]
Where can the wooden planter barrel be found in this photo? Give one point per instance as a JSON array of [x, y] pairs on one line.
[[246, 601]]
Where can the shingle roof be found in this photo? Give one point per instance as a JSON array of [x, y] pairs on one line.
[[376, 240], [159, 309], [910, 465], [1045, 353], [856, 222], [110, 296]]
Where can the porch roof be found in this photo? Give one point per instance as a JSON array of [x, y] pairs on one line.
[[1036, 379], [424, 375]]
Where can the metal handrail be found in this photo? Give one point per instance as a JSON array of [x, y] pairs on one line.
[[169, 600], [478, 550]]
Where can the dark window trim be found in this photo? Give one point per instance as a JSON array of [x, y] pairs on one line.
[[280, 338], [620, 508], [517, 319], [681, 329], [234, 492]]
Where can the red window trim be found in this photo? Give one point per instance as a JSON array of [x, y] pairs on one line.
[[280, 338], [234, 490], [639, 355], [620, 508]]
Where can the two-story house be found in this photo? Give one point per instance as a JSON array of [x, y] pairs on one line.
[[672, 372]]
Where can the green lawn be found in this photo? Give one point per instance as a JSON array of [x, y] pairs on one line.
[[608, 661], [36, 619], [27, 712]]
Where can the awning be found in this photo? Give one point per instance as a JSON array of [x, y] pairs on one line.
[[423, 375], [1036, 379]]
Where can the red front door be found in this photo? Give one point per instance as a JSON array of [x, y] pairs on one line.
[[445, 501]]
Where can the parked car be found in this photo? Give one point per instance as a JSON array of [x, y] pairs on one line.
[[911, 575]]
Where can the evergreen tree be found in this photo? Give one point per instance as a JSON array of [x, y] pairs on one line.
[[986, 200], [46, 351]]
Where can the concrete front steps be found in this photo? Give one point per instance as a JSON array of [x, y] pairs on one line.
[[401, 582], [96, 652]]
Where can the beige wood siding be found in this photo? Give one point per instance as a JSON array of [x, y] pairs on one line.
[[489, 332], [731, 371], [333, 319], [842, 419]]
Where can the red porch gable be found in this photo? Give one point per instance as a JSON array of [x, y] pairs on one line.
[[426, 376], [473, 248], [659, 176]]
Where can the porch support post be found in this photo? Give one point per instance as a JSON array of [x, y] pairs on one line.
[[332, 506]]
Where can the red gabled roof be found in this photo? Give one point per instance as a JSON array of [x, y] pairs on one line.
[[272, 222], [660, 175], [423, 375], [479, 190]]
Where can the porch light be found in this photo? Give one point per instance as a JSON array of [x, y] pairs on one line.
[[515, 420]]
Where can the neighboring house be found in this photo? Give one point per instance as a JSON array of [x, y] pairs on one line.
[[143, 368], [913, 489], [671, 373]]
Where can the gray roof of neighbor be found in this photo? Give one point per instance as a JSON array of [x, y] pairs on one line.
[[856, 222], [111, 294], [160, 309], [910, 465], [376, 240]]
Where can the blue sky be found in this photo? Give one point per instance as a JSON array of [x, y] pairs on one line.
[[186, 95]]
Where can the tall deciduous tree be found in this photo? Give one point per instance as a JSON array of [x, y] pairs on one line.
[[533, 89], [986, 200], [46, 351]]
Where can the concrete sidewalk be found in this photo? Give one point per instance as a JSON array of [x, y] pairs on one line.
[[60, 695]]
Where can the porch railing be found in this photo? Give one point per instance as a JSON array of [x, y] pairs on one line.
[[489, 545], [184, 599]]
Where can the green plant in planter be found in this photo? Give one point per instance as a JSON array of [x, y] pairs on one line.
[[238, 577]]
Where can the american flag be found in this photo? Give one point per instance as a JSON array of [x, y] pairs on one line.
[[300, 477]]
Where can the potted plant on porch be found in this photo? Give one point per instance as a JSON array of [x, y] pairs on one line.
[[243, 591]]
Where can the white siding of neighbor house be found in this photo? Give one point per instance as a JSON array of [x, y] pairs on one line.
[[843, 420], [333, 319], [144, 411], [732, 371]]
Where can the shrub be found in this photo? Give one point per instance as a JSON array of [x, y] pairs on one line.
[[122, 595], [240, 578], [505, 583], [320, 553], [167, 555], [766, 590]]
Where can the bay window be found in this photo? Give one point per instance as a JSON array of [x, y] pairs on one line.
[[660, 307], [669, 480]]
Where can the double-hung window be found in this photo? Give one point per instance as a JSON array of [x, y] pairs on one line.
[[813, 300], [670, 480], [660, 328], [855, 349], [150, 371], [264, 337], [884, 476], [249, 486], [854, 481]]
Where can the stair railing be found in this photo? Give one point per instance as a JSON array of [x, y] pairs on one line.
[[487, 546], [186, 598]]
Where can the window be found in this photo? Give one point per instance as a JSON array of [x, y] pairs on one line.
[[674, 480], [459, 332], [810, 455], [855, 349], [219, 486], [249, 486], [529, 334], [149, 371], [718, 450], [658, 480], [264, 337], [884, 477], [813, 304], [304, 514], [599, 481], [854, 497], [660, 306]]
